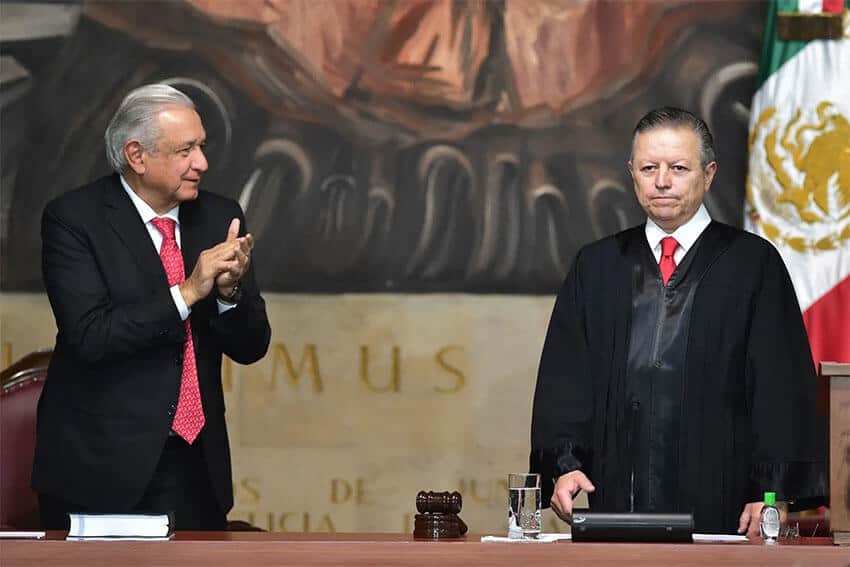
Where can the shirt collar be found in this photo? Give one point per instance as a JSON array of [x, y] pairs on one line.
[[145, 210], [685, 235]]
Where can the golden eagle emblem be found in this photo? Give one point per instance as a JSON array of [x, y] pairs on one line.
[[798, 187]]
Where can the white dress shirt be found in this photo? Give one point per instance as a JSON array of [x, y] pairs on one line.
[[147, 213], [686, 235]]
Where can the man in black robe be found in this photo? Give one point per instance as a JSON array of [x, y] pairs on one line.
[[676, 375]]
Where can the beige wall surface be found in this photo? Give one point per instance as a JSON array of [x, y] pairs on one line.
[[363, 400]]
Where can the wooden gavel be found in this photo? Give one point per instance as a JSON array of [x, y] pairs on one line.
[[438, 502]]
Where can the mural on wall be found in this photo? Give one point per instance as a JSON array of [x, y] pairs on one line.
[[380, 145]]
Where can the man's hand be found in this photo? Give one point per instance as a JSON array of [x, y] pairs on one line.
[[222, 265], [566, 489], [241, 247], [748, 523]]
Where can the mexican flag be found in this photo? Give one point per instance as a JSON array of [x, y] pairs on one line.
[[798, 185]]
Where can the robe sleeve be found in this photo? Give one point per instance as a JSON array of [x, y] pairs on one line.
[[789, 437], [562, 415]]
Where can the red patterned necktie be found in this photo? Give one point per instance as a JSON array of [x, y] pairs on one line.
[[189, 417], [667, 265]]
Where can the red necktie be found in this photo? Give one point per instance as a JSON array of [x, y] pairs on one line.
[[189, 417], [667, 265]]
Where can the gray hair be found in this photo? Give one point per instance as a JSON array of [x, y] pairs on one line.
[[136, 120], [670, 117]]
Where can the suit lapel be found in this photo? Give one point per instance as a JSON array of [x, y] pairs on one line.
[[128, 227], [191, 244], [635, 249], [711, 244], [191, 234]]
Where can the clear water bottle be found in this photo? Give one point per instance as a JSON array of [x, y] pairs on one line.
[[769, 521]]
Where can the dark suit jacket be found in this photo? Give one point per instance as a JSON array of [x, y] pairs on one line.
[[113, 382]]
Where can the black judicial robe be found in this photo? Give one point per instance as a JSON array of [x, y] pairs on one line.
[[746, 420]]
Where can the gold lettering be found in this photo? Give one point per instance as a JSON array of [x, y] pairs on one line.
[[395, 378], [226, 374], [7, 354], [326, 525], [360, 492], [460, 379], [247, 485], [337, 485], [309, 358], [342, 490], [281, 523], [473, 492]]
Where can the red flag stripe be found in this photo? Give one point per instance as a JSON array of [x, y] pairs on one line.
[[832, 6], [828, 325]]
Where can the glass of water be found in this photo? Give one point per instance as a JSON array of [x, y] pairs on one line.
[[524, 505]]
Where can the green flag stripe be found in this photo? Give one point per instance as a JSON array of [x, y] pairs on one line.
[[775, 52]]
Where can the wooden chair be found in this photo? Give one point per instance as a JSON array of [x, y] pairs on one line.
[[20, 388]]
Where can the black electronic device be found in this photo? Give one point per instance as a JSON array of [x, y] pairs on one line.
[[632, 526]]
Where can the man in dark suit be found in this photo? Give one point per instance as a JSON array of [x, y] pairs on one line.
[[150, 282]]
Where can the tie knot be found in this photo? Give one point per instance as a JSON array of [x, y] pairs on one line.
[[165, 226], [668, 246]]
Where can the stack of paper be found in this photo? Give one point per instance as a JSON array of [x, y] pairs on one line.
[[542, 538], [120, 526]]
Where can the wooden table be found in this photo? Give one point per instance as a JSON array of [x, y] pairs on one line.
[[245, 549]]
